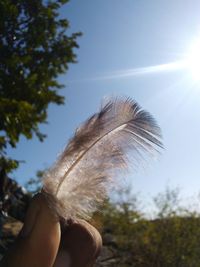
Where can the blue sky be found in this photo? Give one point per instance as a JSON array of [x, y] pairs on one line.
[[119, 37]]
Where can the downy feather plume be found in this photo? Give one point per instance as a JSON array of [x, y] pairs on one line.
[[79, 180]]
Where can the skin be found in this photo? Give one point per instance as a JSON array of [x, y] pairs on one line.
[[42, 241]]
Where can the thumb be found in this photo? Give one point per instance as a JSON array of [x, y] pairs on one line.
[[38, 241]]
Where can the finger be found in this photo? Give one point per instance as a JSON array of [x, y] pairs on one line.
[[30, 218], [39, 239], [80, 246], [45, 235]]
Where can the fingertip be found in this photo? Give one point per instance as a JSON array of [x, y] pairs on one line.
[[83, 243]]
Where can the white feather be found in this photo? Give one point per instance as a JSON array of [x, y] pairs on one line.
[[79, 180]]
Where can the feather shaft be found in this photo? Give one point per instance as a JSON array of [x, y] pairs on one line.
[[79, 180], [83, 154]]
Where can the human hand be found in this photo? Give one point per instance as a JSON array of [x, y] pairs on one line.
[[42, 242]]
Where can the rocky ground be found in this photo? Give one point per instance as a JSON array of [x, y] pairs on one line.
[[9, 230]]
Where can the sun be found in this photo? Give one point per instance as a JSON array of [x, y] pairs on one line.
[[192, 61]]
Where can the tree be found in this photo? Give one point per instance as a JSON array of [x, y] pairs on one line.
[[172, 238], [34, 50]]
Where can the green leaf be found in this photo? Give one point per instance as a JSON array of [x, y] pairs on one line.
[[35, 49]]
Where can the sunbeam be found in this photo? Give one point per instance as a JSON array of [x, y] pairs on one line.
[[177, 65], [147, 70]]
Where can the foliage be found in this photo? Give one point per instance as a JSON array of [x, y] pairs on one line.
[[34, 185], [172, 238], [34, 50]]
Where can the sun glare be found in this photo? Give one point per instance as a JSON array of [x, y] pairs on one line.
[[193, 60], [190, 63]]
